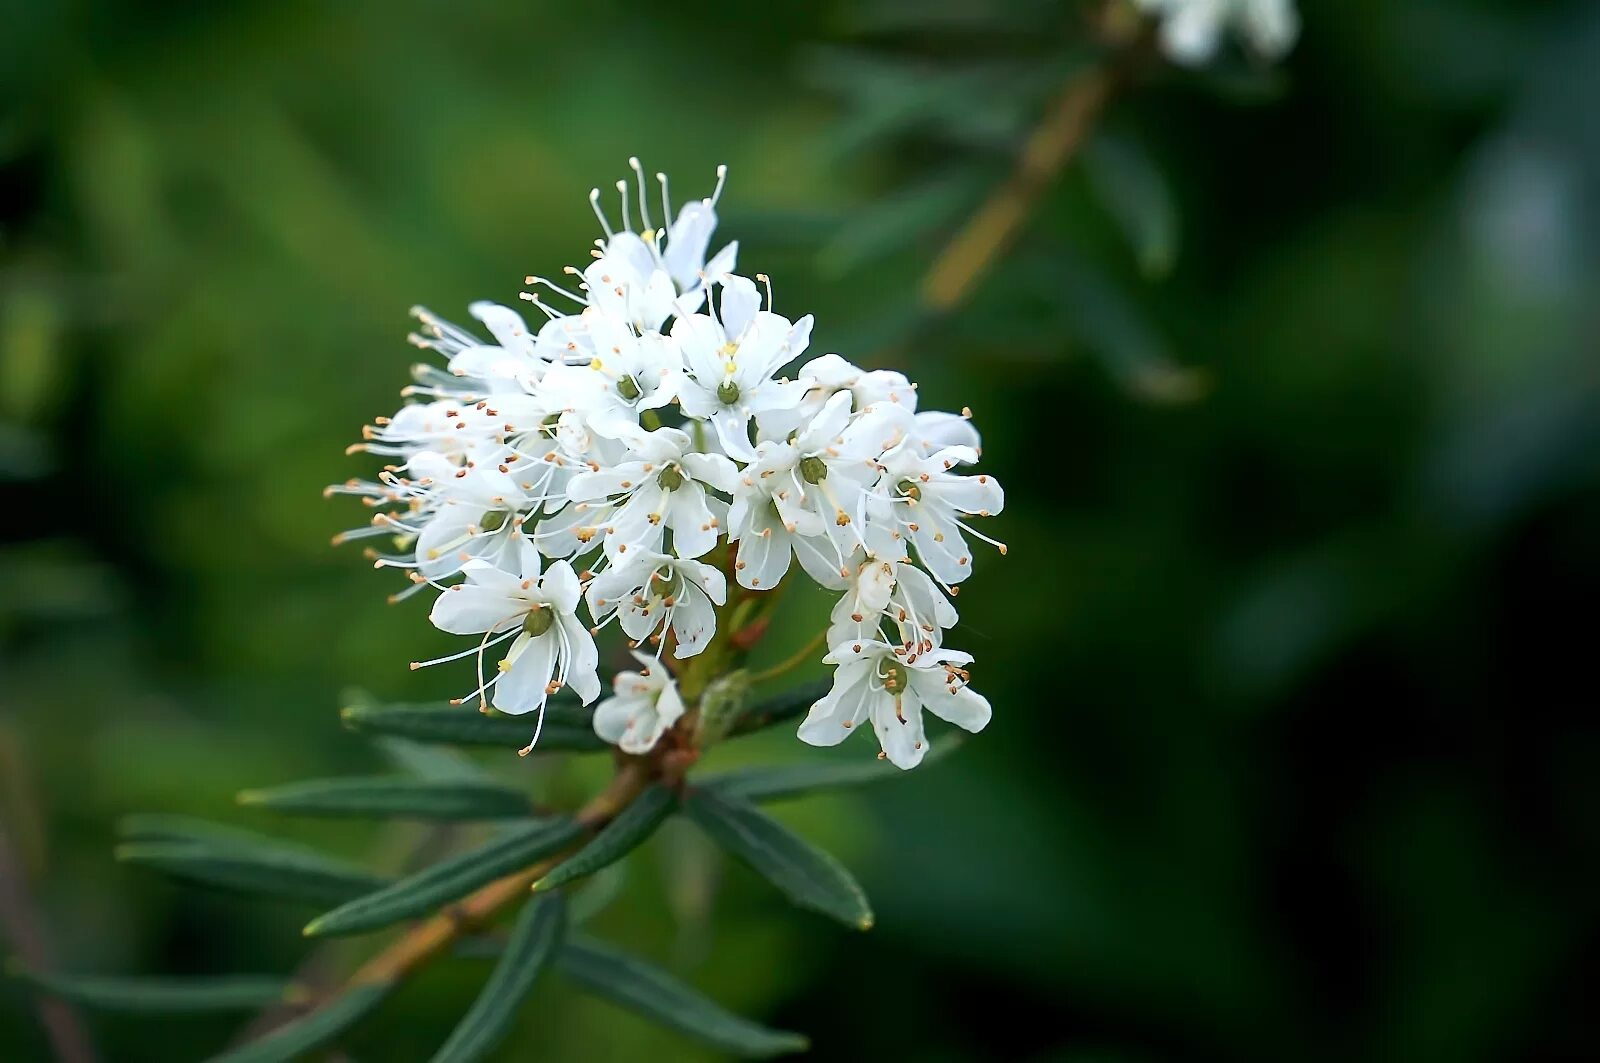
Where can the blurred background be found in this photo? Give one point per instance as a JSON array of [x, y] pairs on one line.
[[1292, 376]]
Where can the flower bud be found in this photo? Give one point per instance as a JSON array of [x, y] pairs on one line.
[[720, 706]]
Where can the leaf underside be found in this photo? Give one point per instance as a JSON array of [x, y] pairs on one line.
[[631, 827], [295, 1039], [163, 996], [449, 879], [651, 992], [534, 940], [805, 874], [394, 796]]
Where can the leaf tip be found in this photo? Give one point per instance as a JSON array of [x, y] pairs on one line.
[[315, 928], [249, 797], [866, 922]]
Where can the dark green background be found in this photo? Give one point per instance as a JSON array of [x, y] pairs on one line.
[[1294, 744]]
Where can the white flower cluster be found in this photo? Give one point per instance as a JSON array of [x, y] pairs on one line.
[[1191, 30], [598, 461]]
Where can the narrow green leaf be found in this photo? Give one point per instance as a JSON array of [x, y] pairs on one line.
[[267, 868], [448, 880], [395, 796], [1135, 194], [315, 1030], [805, 874], [535, 938], [777, 783], [653, 993], [1112, 326], [566, 726], [162, 827], [779, 707], [892, 223], [616, 839], [426, 760], [165, 996]]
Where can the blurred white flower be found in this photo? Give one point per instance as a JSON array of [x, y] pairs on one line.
[[1191, 30]]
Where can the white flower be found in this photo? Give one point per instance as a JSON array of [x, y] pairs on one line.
[[730, 364], [873, 682], [830, 374], [652, 593], [809, 496], [1191, 29], [510, 364], [648, 276], [627, 374], [550, 647], [664, 486], [896, 594], [644, 706], [925, 505], [478, 515]]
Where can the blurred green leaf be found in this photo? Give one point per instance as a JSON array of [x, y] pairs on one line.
[[1136, 194], [429, 761], [168, 827], [626, 832], [449, 879], [1127, 344], [646, 989], [597, 894], [805, 874], [779, 707], [393, 796], [892, 223], [170, 996], [784, 781], [315, 1030], [566, 727], [534, 940], [261, 867]]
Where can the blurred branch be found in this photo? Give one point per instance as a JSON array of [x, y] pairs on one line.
[[25, 929], [1058, 137]]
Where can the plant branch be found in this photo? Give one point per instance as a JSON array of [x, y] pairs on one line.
[[20, 920], [436, 934], [1058, 137]]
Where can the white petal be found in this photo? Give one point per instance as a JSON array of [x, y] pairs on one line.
[[838, 712], [560, 587], [466, 609], [962, 706], [740, 302], [522, 686], [900, 735]]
